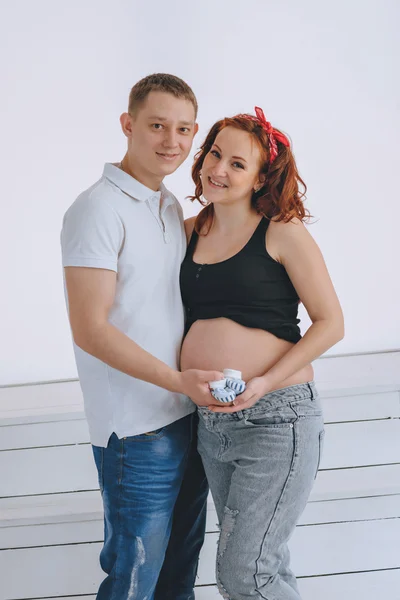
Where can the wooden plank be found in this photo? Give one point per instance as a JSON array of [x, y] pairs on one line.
[[45, 572], [358, 405], [53, 534], [39, 435], [360, 444], [346, 547], [44, 401], [209, 592], [358, 370], [336, 511], [329, 549], [18, 402], [357, 483], [51, 508], [361, 404], [357, 586], [365, 586], [37, 471], [356, 509], [87, 506], [316, 550], [79, 527], [47, 470]]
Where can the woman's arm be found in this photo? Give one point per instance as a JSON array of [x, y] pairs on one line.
[[292, 245], [303, 261]]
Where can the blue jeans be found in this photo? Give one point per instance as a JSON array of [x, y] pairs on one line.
[[155, 497], [261, 464]]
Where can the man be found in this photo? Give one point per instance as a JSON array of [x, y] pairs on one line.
[[123, 242]]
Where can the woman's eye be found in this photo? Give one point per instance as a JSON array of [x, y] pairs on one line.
[[238, 165], [215, 153]]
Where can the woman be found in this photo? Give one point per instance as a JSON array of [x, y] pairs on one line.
[[249, 262]]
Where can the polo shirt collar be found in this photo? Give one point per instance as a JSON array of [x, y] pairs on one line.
[[132, 186]]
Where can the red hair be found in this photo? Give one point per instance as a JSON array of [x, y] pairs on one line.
[[279, 197]]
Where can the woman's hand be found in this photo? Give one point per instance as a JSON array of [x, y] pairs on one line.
[[256, 388]]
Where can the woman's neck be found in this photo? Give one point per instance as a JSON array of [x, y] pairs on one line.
[[230, 219]]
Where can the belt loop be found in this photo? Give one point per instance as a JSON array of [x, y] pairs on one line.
[[311, 391], [238, 415]]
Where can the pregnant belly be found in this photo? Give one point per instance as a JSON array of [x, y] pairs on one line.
[[223, 344]]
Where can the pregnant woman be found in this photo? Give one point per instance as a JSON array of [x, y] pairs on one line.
[[250, 261]]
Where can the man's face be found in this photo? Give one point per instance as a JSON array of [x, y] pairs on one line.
[[160, 136]]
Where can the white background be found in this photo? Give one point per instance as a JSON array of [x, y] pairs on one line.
[[326, 73]]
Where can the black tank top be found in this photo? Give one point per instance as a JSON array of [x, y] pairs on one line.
[[250, 288]]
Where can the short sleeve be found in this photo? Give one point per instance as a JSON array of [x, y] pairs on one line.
[[92, 235]]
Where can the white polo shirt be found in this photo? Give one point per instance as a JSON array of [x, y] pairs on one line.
[[116, 224]]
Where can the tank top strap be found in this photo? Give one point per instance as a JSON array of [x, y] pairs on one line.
[[192, 243], [257, 240]]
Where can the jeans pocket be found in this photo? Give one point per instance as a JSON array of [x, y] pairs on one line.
[[149, 436], [307, 407], [320, 450], [280, 417], [98, 454]]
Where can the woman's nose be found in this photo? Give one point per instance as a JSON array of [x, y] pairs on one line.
[[219, 170]]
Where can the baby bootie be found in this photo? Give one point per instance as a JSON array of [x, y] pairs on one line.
[[220, 392], [234, 381]]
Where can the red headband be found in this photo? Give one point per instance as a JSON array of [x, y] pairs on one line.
[[273, 134]]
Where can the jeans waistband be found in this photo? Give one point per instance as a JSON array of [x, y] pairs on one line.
[[291, 393]]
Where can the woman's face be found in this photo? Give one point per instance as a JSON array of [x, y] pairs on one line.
[[231, 169]]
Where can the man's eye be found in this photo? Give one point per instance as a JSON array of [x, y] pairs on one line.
[[157, 126], [185, 129]]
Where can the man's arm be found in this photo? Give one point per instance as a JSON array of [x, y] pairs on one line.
[[91, 293]]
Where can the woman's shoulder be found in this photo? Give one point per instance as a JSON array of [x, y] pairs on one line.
[[281, 235], [283, 229]]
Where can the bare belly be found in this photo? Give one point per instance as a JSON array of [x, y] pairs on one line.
[[223, 344]]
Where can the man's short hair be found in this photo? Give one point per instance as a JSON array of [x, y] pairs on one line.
[[160, 82]]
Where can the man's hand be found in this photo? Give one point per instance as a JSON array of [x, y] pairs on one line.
[[194, 383]]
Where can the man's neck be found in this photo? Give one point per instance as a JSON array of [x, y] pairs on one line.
[[151, 182]]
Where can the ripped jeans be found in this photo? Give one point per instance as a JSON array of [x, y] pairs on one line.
[[154, 493], [261, 464]]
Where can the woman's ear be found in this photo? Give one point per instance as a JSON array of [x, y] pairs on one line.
[[260, 183]]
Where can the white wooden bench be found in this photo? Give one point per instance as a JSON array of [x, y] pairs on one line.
[[347, 542]]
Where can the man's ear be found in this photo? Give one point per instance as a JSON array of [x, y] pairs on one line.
[[126, 124], [196, 128]]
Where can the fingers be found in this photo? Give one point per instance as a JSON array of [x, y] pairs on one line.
[[213, 375], [243, 398], [217, 404], [248, 403], [224, 409]]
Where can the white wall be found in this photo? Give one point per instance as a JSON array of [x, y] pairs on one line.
[[324, 72]]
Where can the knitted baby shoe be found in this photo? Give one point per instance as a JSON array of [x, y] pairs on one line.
[[220, 392], [225, 395], [234, 381]]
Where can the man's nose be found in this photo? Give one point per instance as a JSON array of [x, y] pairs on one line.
[[171, 139]]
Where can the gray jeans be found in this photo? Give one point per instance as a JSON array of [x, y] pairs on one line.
[[261, 464]]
